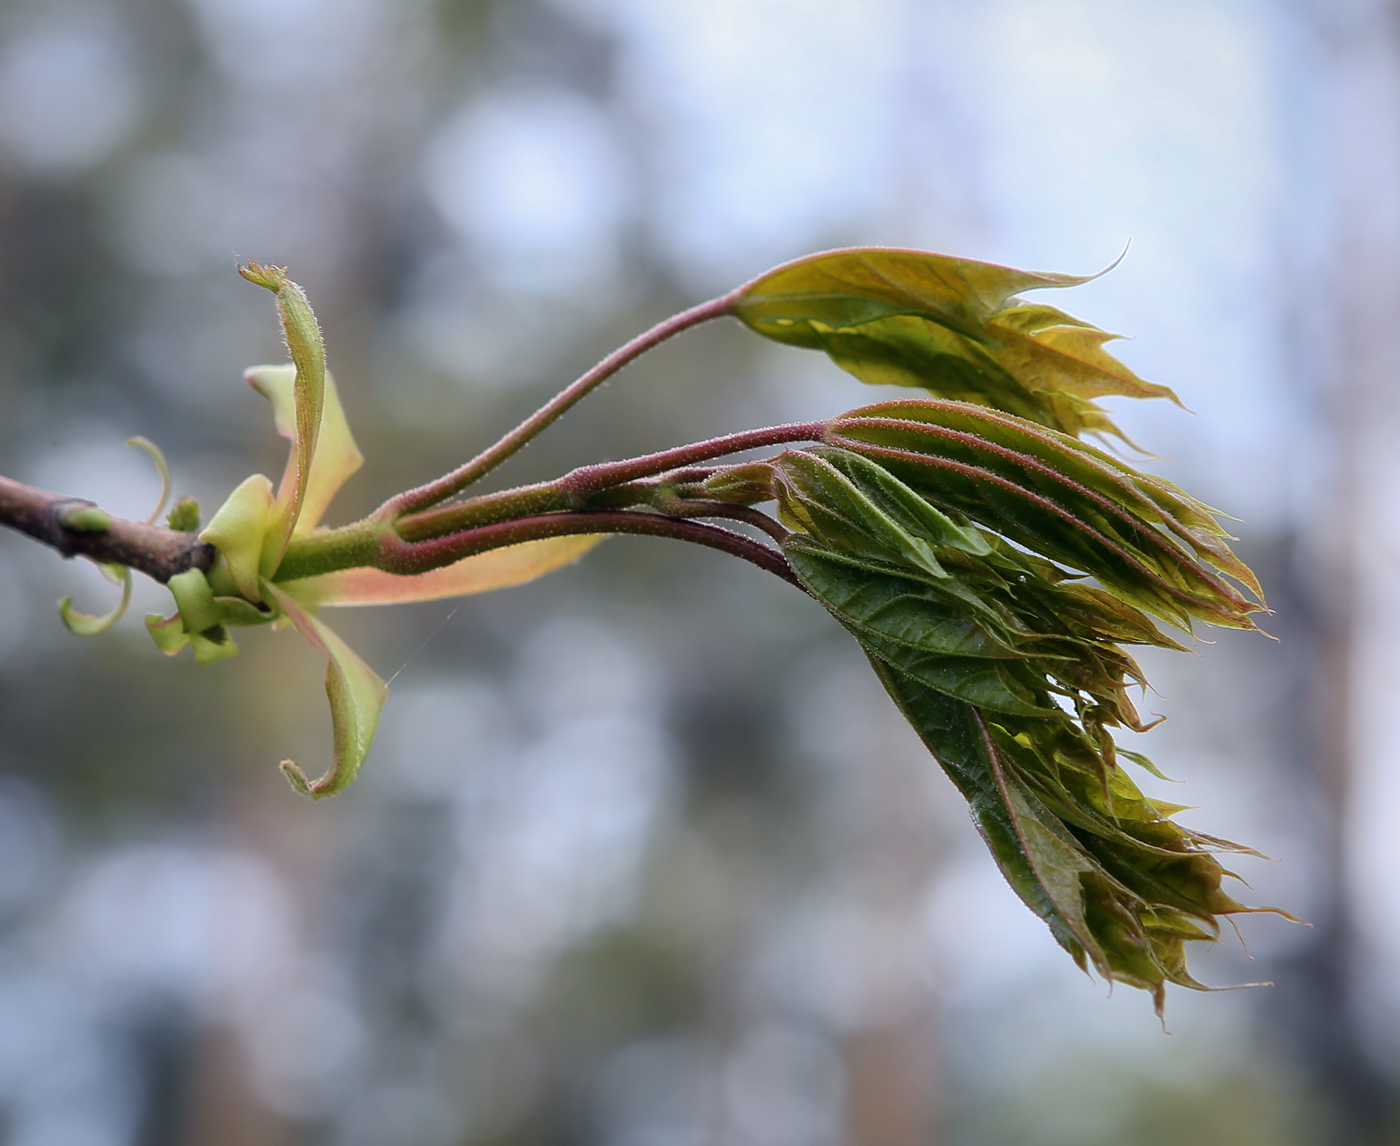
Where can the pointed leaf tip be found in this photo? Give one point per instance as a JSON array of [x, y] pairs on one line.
[[297, 778], [1119, 885], [271, 277], [308, 352]]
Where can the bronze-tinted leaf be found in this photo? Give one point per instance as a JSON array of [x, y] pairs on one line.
[[951, 326]]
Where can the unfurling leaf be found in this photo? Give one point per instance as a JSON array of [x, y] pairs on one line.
[[201, 618], [950, 540], [356, 694], [308, 353], [1145, 540], [951, 326], [1118, 883]]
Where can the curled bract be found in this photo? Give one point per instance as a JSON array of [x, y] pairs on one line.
[[83, 624], [356, 695], [254, 526]]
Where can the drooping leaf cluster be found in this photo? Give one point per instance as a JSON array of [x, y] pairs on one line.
[[956, 539]]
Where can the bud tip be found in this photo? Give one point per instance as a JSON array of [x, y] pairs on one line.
[[271, 277]]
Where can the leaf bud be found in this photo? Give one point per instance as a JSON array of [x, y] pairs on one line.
[[184, 516], [273, 278], [84, 518]]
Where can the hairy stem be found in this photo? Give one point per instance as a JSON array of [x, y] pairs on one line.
[[407, 558], [48, 517], [573, 490], [459, 479], [704, 508]]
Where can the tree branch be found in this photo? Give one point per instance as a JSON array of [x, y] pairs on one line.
[[149, 549]]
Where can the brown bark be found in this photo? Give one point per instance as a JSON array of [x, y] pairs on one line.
[[159, 553]]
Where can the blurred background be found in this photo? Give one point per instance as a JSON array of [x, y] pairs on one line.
[[643, 856]]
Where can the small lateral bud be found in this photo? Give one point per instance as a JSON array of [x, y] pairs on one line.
[[84, 518], [184, 515]]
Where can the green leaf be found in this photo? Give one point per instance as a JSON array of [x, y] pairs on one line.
[[167, 632], [482, 573], [989, 684], [356, 695], [857, 506], [239, 529], [846, 288], [977, 636], [948, 325], [1124, 890], [1144, 539], [195, 600], [923, 615]]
